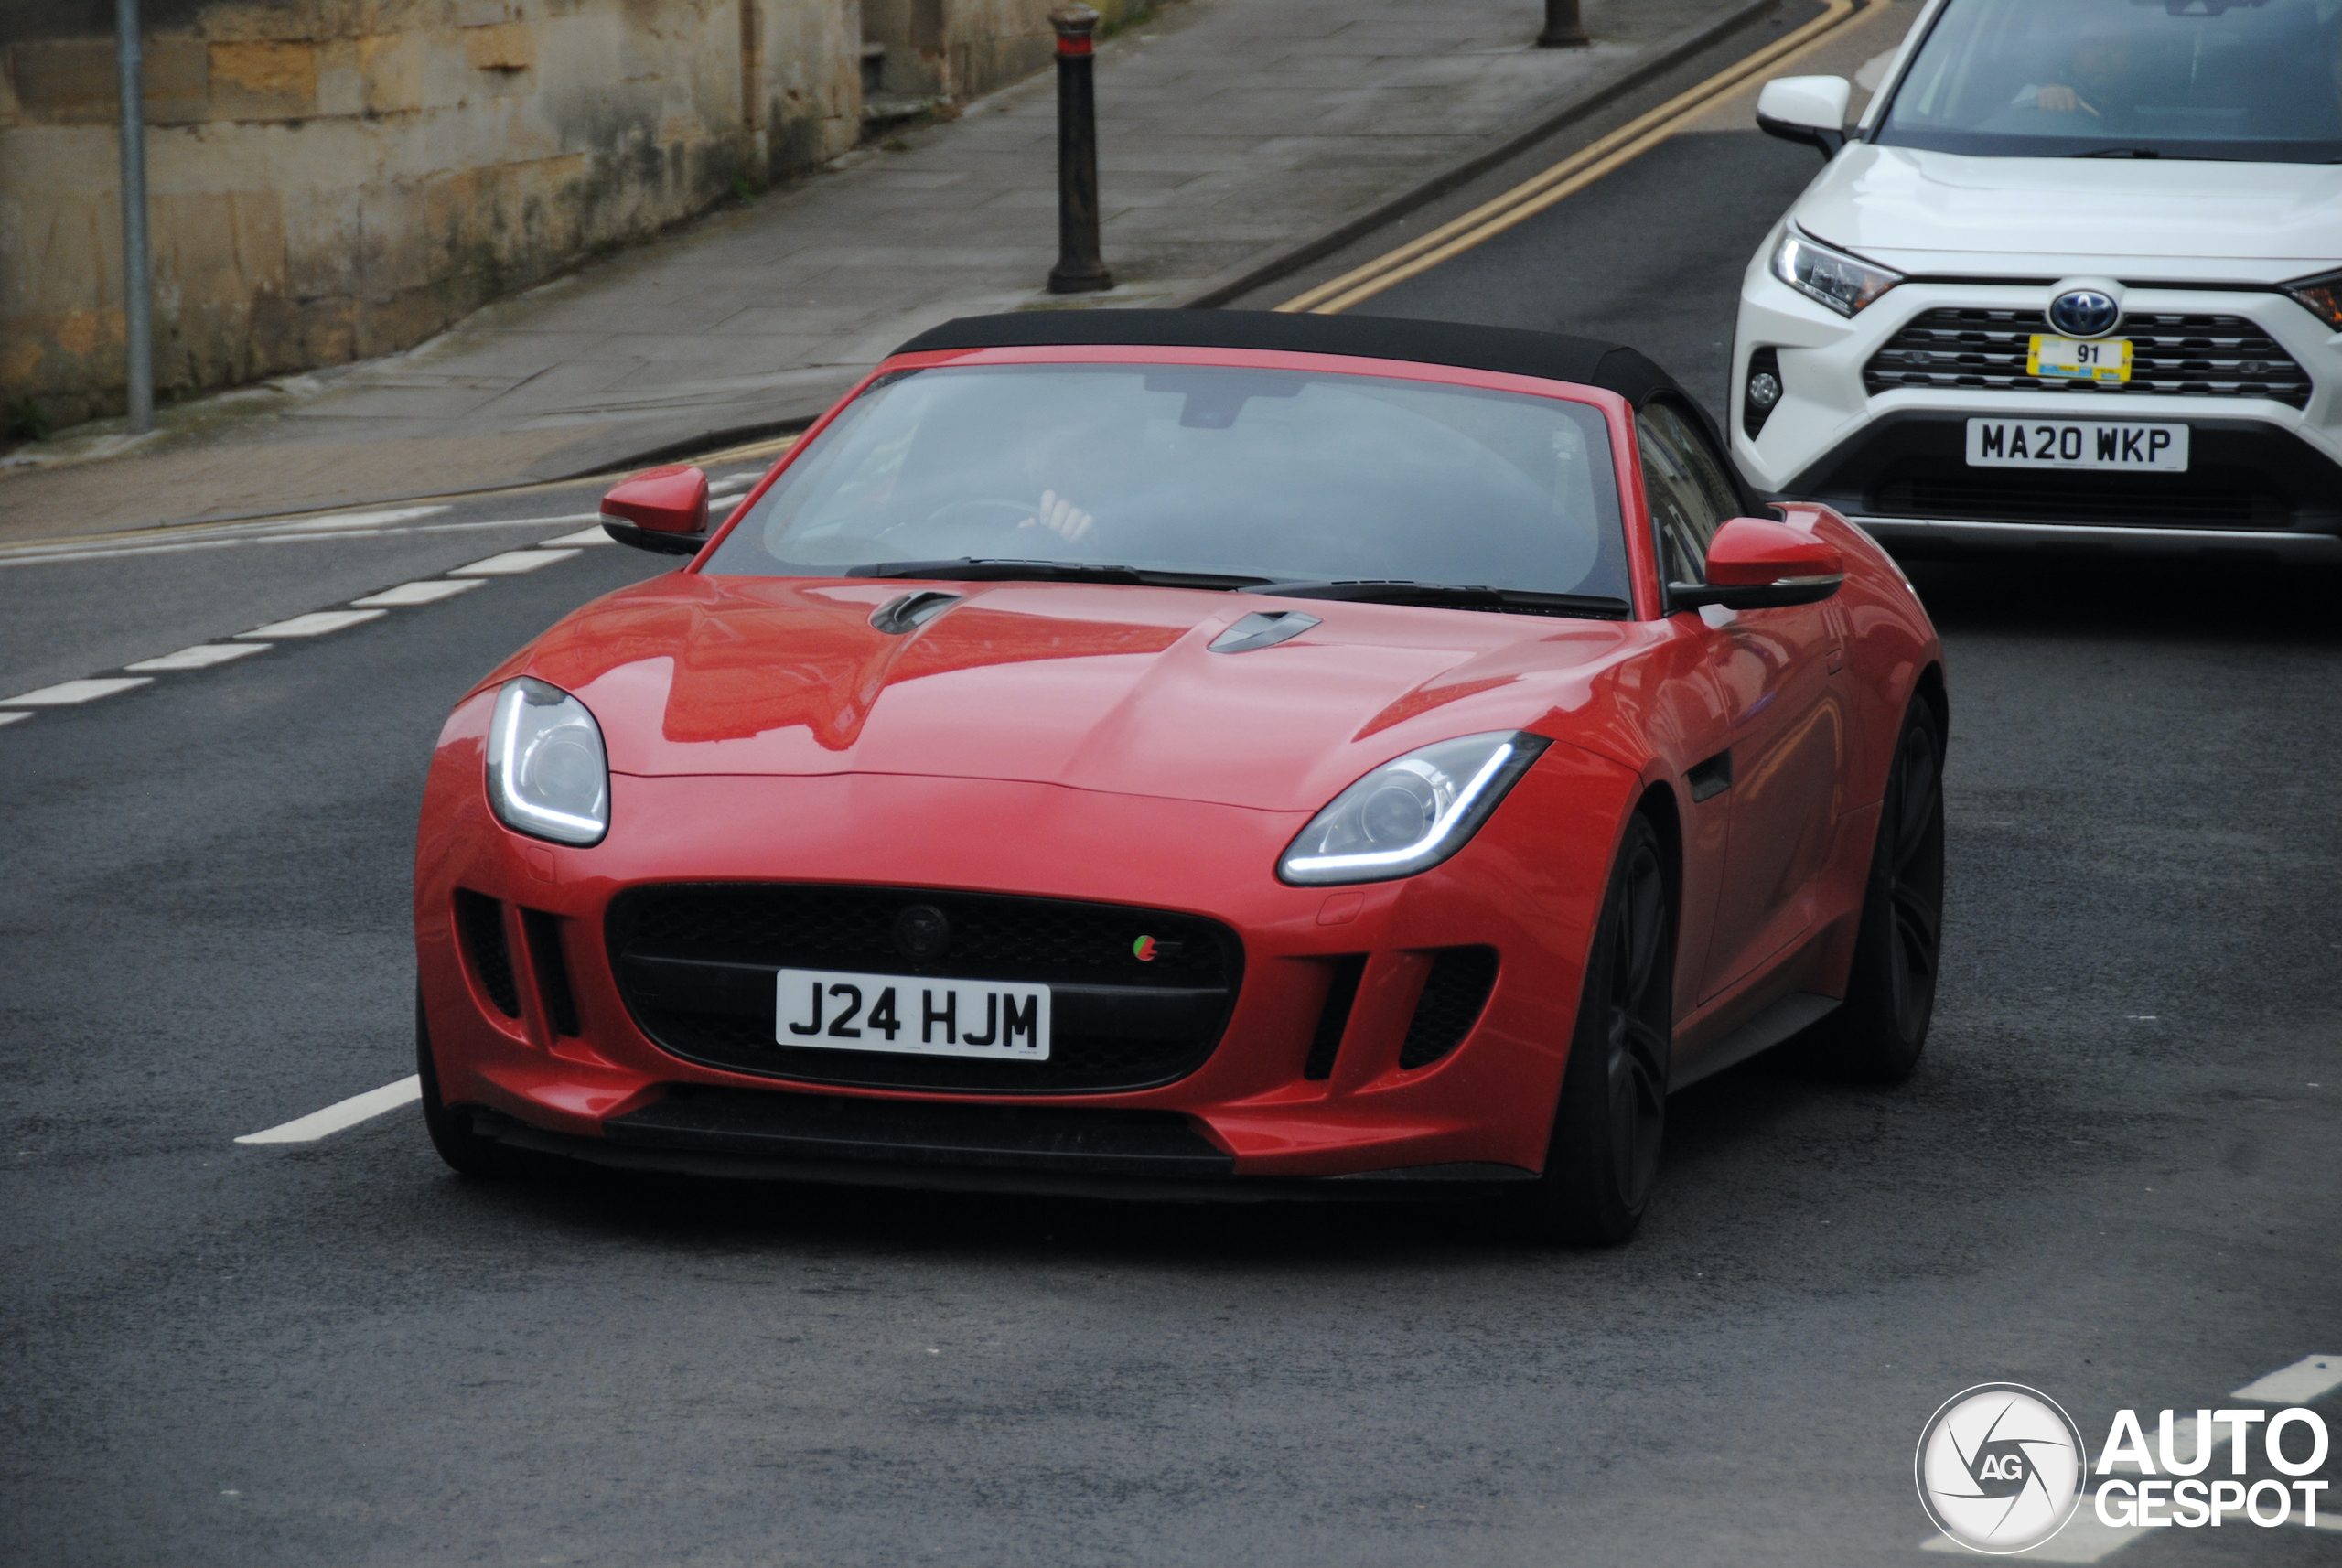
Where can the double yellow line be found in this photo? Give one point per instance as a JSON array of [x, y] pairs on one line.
[[1573, 173]]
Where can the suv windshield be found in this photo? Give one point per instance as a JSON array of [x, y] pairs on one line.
[[2252, 80], [1250, 475]]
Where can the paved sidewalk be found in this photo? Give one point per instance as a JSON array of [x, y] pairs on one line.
[[1236, 137]]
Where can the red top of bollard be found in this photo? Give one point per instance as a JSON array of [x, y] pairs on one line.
[[1075, 26]]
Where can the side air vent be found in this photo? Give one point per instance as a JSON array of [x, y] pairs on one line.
[[1458, 988], [543, 932], [1334, 1017], [480, 921]]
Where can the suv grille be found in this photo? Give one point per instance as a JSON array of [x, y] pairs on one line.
[[696, 966], [2172, 356]]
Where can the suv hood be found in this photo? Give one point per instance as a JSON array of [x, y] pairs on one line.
[[1105, 688], [1938, 212]]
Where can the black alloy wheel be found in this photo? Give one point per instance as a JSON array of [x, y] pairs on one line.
[[1877, 1035], [464, 1151], [1603, 1160]]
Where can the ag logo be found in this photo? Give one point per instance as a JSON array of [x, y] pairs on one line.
[[1999, 1467]]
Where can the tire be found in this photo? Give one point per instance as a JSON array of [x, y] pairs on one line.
[[466, 1151], [1876, 1035], [1603, 1159]]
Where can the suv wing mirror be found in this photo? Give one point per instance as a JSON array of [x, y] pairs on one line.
[[661, 509], [1756, 564], [1808, 108]]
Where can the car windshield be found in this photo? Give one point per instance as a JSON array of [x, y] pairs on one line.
[[1247, 475], [2253, 80]]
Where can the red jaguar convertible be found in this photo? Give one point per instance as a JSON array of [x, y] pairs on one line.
[[1193, 755]]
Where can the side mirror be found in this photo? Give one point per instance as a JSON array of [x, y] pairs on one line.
[[1808, 108], [662, 509], [1756, 564]]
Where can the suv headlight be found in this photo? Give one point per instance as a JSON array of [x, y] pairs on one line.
[[1843, 283], [1411, 813], [2322, 296], [547, 773]]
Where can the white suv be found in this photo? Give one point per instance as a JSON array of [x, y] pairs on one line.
[[2075, 279]]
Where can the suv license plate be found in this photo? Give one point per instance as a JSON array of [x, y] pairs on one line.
[[910, 1016], [2077, 443]]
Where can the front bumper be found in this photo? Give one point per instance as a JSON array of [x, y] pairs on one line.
[[570, 1068], [2265, 478]]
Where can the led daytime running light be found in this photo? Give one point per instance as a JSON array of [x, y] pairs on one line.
[[1847, 285], [1440, 828], [528, 715]]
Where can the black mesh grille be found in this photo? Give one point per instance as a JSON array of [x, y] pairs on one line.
[[1121, 1022], [480, 920], [2172, 356], [553, 970], [2211, 498], [1452, 999], [1334, 1017]]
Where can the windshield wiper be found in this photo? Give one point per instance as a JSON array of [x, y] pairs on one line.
[[993, 569], [1452, 597], [2118, 152]]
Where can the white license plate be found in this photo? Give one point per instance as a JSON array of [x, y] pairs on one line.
[[2079, 358], [2077, 443], [831, 1011]]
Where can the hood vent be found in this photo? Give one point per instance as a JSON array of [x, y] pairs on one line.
[[900, 616], [1263, 629]]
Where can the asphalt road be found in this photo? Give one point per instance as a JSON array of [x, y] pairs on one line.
[[2114, 1176]]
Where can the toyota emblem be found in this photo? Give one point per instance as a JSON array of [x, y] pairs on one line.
[[2084, 313]]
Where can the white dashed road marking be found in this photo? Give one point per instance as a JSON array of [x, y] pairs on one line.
[[12, 718], [67, 693], [594, 536], [202, 656], [2305, 1380], [343, 1114], [429, 591], [512, 561], [317, 623]]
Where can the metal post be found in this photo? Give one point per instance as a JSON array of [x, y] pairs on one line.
[[1081, 269], [137, 292], [1563, 29]]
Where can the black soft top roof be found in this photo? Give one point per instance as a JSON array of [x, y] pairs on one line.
[[1505, 349]]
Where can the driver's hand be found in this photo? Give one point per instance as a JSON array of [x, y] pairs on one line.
[[1060, 516]]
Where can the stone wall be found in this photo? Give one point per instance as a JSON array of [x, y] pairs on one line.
[[960, 50], [333, 179]]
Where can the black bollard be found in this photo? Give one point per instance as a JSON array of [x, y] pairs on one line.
[[1563, 29], [1079, 269]]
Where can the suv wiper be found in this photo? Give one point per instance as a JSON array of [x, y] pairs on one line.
[[1452, 597], [2118, 152], [992, 569]]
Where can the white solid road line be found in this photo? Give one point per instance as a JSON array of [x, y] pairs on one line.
[[202, 656], [429, 591], [67, 693], [346, 1113], [317, 623], [511, 563], [366, 518]]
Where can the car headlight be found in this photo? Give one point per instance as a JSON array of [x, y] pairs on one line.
[[1409, 815], [547, 773], [1843, 283], [2322, 296]]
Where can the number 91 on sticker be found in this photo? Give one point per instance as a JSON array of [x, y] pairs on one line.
[[910, 1015]]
